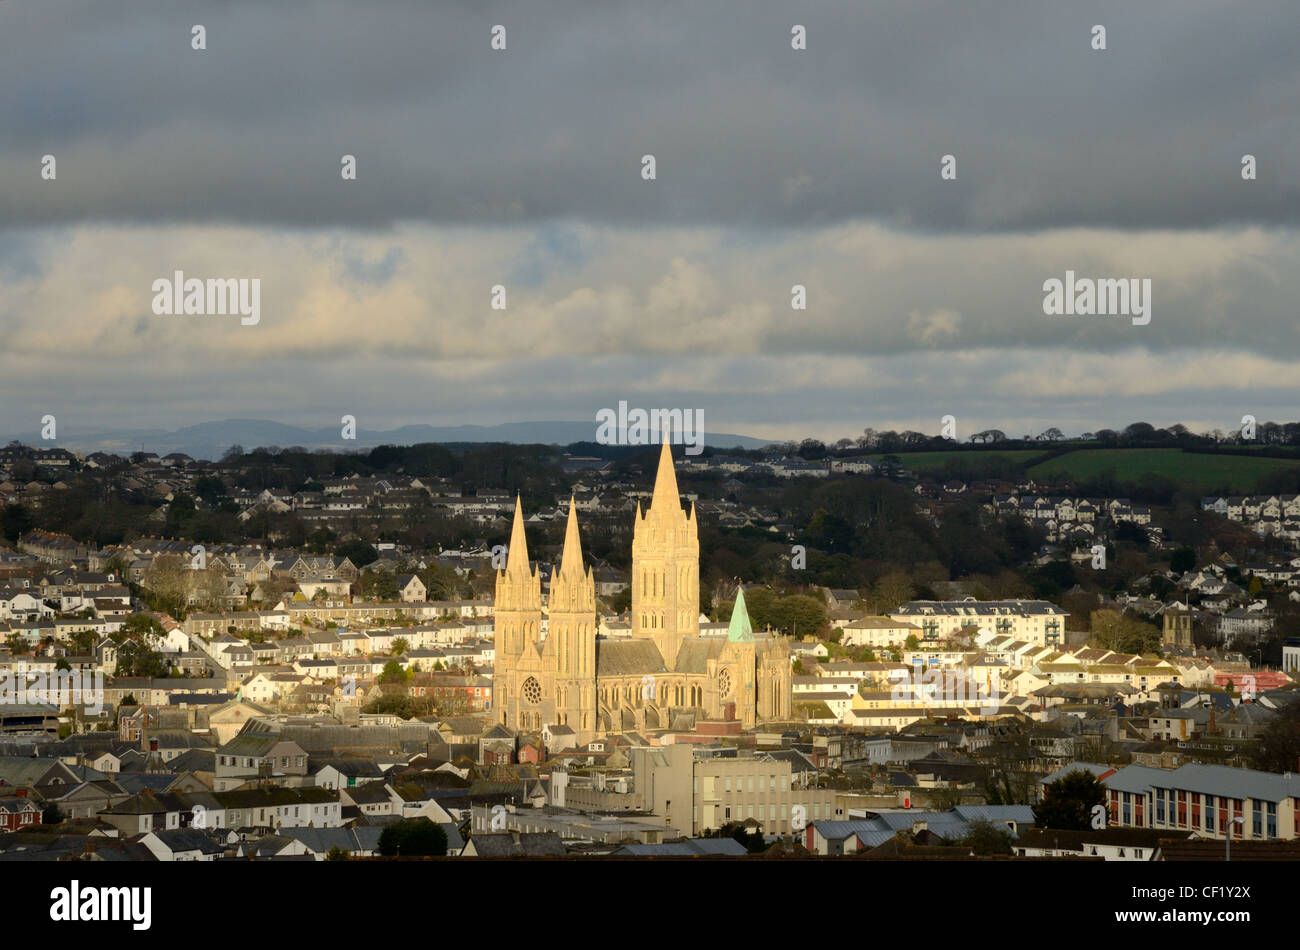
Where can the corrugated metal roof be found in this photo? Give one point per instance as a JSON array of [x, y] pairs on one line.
[[995, 813]]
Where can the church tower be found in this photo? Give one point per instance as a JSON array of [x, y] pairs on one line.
[[572, 635], [518, 617], [666, 566]]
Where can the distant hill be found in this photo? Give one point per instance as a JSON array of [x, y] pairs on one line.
[[209, 440]]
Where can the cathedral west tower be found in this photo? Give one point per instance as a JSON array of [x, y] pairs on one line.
[[572, 634]]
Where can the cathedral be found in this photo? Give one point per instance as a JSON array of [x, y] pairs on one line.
[[665, 675]]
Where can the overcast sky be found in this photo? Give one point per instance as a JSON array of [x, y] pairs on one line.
[[775, 167]]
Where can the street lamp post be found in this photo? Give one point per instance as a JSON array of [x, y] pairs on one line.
[[1227, 848]]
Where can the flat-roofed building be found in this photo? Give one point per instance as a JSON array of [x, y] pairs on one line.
[[1206, 799], [699, 794]]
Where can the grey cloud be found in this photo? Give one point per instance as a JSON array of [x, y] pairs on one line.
[[747, 132]]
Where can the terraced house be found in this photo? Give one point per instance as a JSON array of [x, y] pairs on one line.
[[258, 755]]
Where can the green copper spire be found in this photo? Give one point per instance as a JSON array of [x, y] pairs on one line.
[[740, 630]]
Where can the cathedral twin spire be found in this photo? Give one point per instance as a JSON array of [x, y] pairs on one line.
[[570, 560], [517, 553]]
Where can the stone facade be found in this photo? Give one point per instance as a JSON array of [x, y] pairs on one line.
[[665, 675]]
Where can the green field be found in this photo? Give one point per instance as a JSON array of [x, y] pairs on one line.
[[1204, 473], [928, 461]]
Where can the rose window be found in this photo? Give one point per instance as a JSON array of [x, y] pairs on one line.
[[532, 691]]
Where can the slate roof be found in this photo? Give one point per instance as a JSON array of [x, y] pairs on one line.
[[18, 770], [689, 848], [357, 766], [628, 658], [251, 744], [138, 781], [695, 653], [519, 844], [188, 839], [195, 760], [320, 840], [372, 793]]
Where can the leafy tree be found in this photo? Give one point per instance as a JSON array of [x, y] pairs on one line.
[[752, 843], [1068, 802], [399, 704], [166, 584], [1112, 630], [359, 552], [15, 521], [985, 837], [1279, 743], [139, 623], [394, 672], [944, 799], [891, 591], [622, 601], [791, 614], [379, 585], [210, 488], [1132, 532], [137, 659], [1051, 579], [1182, 560], [83, 642], [337, 854], [440, 583], [418, 837]]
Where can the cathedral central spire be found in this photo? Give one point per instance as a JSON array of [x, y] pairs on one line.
[[665, 491]]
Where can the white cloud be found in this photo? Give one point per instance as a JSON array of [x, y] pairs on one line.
[[935, 327]]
